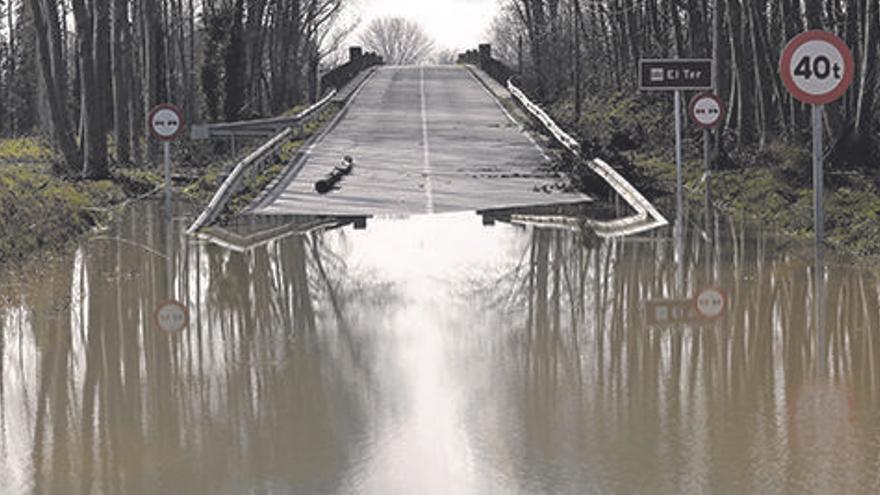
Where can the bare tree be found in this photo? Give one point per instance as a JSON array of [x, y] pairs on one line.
[[446, 56], [399, 41]]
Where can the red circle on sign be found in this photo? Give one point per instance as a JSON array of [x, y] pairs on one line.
[[180, 121], [176, 304], [788, 79], [693, 106]]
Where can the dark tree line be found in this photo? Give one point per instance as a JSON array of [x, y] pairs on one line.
[[569, 48], [86, 72]]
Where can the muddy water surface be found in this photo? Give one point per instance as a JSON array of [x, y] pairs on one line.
[[438, 355]]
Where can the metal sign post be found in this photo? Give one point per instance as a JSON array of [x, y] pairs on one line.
[[166, 124], [166, 146], [679, 187], [817, 68], [676, 75], [818, 174], [706, 110]]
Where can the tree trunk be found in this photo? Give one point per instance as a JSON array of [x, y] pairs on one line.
[[151, 77], [813, 13], [48, 37], [868, 76], [94, 144], [12, 118], [121, 74]]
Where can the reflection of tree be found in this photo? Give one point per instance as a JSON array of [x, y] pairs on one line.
[[254, 375], [596, 378]]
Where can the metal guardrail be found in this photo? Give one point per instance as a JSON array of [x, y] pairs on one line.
[[233, 181], [647, 217], [259, 127]]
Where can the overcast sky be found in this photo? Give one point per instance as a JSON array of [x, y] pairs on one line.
[[458, 24]]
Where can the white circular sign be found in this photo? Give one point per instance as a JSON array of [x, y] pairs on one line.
[[172, 316], [817, 67], [706, 110], [711, 303], [166, 122]]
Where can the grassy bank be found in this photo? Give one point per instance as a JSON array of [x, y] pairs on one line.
[[773, 185], [40, 212]]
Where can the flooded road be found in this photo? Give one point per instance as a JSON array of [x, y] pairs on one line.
[[437, 355]]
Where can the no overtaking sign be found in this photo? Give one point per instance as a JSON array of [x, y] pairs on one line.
[[166, 122]]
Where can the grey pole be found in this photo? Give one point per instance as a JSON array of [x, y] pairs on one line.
[[167, 147], [707, 166], [679, 200], [819, 309], [818, 175]]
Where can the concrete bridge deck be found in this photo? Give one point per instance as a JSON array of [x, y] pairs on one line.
[[424, 140]]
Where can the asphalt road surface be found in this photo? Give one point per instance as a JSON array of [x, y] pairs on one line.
[[424, 140]]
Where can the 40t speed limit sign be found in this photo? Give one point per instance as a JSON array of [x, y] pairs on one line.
[[817, 67]]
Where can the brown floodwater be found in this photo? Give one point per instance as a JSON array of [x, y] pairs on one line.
[[437, 354]]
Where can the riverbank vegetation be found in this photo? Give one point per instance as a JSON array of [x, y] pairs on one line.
[[39, 211], [78, 78], [83, 75], [579, 59]]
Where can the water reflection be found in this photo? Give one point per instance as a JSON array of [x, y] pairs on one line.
[[438, 355]]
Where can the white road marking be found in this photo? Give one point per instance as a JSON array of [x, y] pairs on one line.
[[426, 171]]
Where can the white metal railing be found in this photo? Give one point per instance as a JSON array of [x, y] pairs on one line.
[[230, 185], [647, 217]]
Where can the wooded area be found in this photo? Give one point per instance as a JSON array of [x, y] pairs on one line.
[[567, 49], [86, 72]]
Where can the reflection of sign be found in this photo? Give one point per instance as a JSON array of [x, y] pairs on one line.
[[817, 67], [708, 305], [671, 311], [711, 303], [166, 122], [172, 316], [673, 74], [706, 110]]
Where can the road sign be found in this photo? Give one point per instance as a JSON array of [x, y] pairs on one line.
[[171, 316], [706, 110], [711, 303], [817, 67], [675, 74], [166, 122]]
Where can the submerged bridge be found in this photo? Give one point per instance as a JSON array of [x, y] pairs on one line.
[[428, 139]]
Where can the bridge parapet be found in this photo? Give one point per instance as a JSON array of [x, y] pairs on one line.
[[482, 58], [358, 61]]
